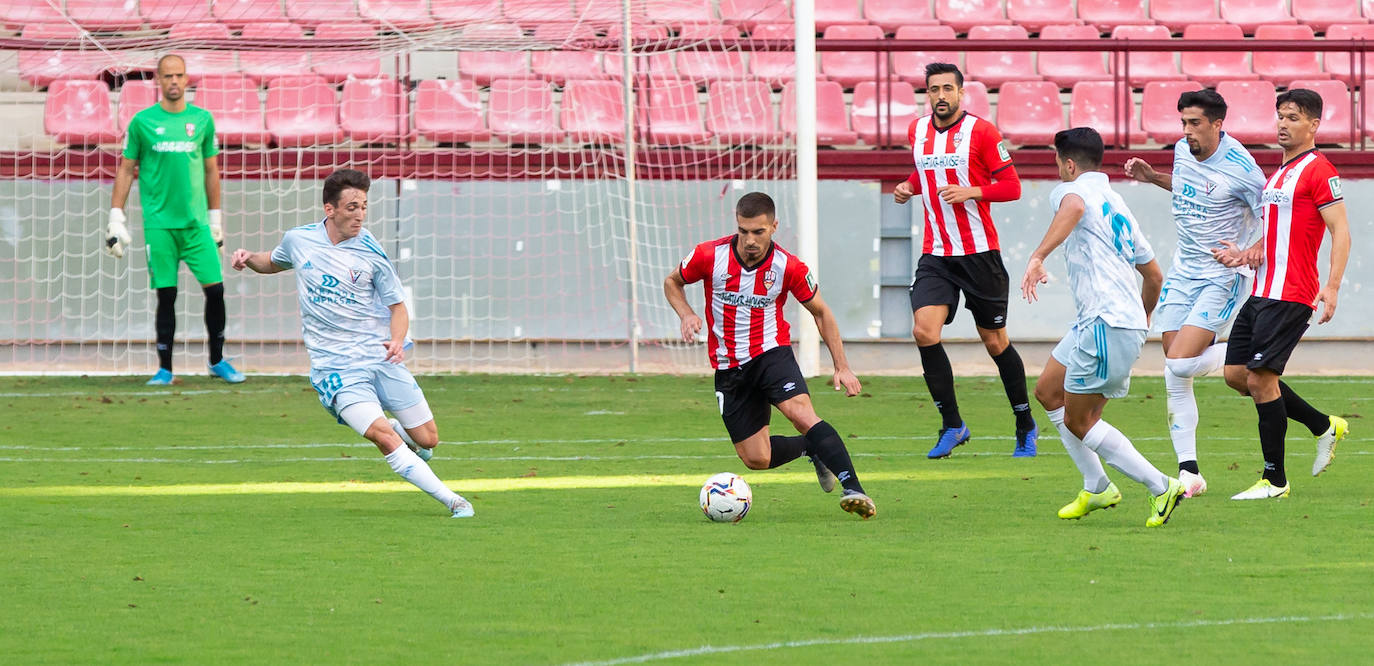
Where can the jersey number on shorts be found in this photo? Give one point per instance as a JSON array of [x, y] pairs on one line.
[[720, 402], [328, 386]]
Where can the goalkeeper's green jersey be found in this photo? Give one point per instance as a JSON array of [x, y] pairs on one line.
[[171, 149]]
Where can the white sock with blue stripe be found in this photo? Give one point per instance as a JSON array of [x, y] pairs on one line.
[[1116, 450], [404, 462], [1094, 476]]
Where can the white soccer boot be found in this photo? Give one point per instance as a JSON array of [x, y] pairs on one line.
[[1262, 490], [1193, 484], [461, 508]]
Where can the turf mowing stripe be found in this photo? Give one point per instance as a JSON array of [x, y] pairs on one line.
[[982, 633]]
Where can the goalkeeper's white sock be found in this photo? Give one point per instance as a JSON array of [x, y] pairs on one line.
[[1094, 477], [404, 462], [1117, 451]]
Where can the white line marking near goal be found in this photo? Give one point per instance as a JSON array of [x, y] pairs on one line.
[[981, 633]]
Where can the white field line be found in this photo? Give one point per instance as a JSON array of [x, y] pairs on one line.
[[979, 633]]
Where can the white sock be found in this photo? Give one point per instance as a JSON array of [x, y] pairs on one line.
[[1182, 415], [404, 462], [1094, 477], [401, 432], [1118, 452]]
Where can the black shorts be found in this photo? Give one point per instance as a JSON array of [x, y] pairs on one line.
[[982, 277], [745, 393], [1266, 332]]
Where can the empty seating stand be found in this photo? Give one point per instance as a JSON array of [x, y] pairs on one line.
[[1337, 110], [832, 121], [994, 68], [668, 113], [1066, 68], [884, 122], [163, 14], [233, 100], [1159, 117], [337, 66], [1249, 111], [77, 113], [134, 96], [270, 64], [1039, 113], [1179, 14], [911, 65], [963, 15], [850, 67], [1212, 67], [374, 111], [522, 111], [1107, 15], [41, 68], [891, 15], [741, 113], [1280, 67], [1095, 104], [1034, 15], [594, 112], [450, 112], [302, 111], [238, 13]]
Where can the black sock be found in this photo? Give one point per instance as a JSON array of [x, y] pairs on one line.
[[214, 321], [1303, 413], [940, 381], [1273, 427], [785, 449], [1013, 373], [166, 325], [824, 443], [1188, 466]]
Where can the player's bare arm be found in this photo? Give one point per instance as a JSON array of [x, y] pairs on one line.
[[1151, 284], [674, 290], [400, 323], [830, 333], [1142, 171], [1070, 211], [1338, 226], [258, 262], [957, 194], [1232, 256], [903, 192]]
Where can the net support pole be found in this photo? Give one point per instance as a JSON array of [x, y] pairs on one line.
[[631, 221], [808, 241]]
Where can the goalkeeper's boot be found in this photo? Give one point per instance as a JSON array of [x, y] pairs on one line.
[[1162, 506], [226, 372], [823, 475], [949, 438], [1262, 489], [1025, 442], [424, 453], [1326, 444], [1087, 502], [461, 508], [858, 504], [1193, 484], [163, 377]]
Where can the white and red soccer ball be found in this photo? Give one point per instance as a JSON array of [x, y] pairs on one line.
[[726, 498]]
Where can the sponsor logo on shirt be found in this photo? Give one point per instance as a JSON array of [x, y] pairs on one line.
[[789, 386], [745, 300], [941, 161], [174, 147], [328, 280], [1274, 197]]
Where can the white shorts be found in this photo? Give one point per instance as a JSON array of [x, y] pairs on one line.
[[1205, 303], [1097, 358], [389, 384]]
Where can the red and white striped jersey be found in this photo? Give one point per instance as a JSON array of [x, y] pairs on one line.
[[1293, 228], [744, 303], [966, 153]]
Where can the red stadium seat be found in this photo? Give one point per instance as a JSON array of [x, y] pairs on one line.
[[375, 111], [302, 111], [163, 14], [1108, 14], [522, 111], [1179, 14], [962, 15], [594, 112], [15, 14], [204, 62], [1321, 14], [879, 126], [1338, 64], [1033, 15], [233, 100], [1039, 112], [891, 15], [1282, 67], [1250, 14], [1213, 67], [1159, 110], [851, 67], [1095, 105], [703, 67], [976, 100], [677, 13], [404, 14], [450, 112], [668, 113], [531, 12], [134, 96], [741, 113], [749, 13], [601, 13], [560, 66], [910, 66], [311, 14], [1337, 111], [99, 16], [659, 65], [994, 68], [838, 12], [1249, 110], [486, 66], [777, 68], [339, 66], [1368, 112], [264, 65], [41, 68], [463, 12], [77, 113], [238, 13], [1066, 68], [832, 121], [1148, 66]]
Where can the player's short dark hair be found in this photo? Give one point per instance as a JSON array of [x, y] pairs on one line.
[[1212, 104], [944, 68], [1083, 145], [755, 204], [341, 180], [1307, 101]]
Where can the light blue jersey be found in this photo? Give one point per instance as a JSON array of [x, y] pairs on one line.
[[1215, 200], [1102, 252], [345, 291]]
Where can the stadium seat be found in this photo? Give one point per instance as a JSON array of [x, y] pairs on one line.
[[1179, 14], [77, 113], [311, 14], [838, 12], [603, 13], [302, 111], [884, 127], [748, 13], [522, 111], [703, 67], [851, 67], [1095, 105], [1107, 15], [594, 112], [1337, 64], [134, 96], [485, 66], [532, 12], [1250, 14], [15, 14], [678, 13], [1147, 66], [264, 65], [1039, 112], [1337, 112], [1249, 110], [450, 112], [1368, 112], [560, 66], [891, 15], [1066, 68], [994, 68], [464, 12], [657, 64], [741, 113], [1212, 67], [1282, 67], [163, 14], [832, 121], [374, 111], [668, 113], [99, 16], [404, 14], [1034, 15], [233, 100], [962, 15], [338, 66], [203, 62], [238, 13], [1159, 110], [976, 100], [41, 68], [910, 66], [777, 68], [1321, 14]]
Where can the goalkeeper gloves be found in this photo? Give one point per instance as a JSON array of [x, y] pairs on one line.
[[116, 235], [217, 226]]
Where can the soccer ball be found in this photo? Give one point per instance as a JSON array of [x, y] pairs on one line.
[[726, 498]]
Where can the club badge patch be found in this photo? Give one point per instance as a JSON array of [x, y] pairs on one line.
[[190, 129], [1002, 151], [769, 278]]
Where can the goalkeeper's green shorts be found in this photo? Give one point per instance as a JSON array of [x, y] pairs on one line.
[[167, 248]]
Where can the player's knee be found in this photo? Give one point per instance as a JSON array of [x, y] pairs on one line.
[[926, 335], [1049, 396], [1185, 367], [426, 436], [1236, 379], [755, 460]]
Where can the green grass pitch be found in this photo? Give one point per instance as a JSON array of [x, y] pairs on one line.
[[210, 524]]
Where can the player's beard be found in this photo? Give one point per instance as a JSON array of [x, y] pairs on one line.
[[949, 112]]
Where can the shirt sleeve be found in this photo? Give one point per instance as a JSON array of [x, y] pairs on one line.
[[1144, 252], [387, 283], [1058, 193], [992, 150], [281, 255], [697, 265], [801, 282], [1325, 184], [209, 146], [133, 140]]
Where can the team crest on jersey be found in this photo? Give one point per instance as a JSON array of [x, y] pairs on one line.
[[1334, 183], [354, 274], [768, 279], [190, 129], [1210, 187], [1292, 173], [958, 139]]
